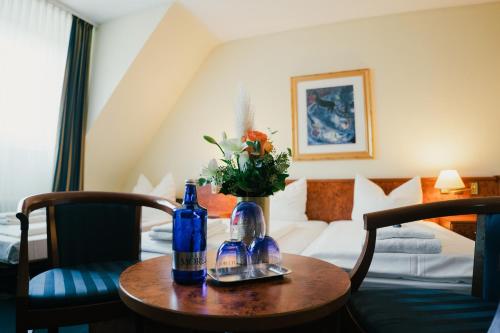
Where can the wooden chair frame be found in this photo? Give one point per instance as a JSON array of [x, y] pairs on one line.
[[28, 318], [373, 221]]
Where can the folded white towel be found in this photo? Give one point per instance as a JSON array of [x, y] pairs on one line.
[[405, 231], [15, 230], [5, 221], [216, 227], [165, 236], [163, 228], [10, 218], [164, 231], [211, 223], [409, 245]]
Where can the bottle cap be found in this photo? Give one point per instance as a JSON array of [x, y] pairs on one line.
[[191, 181]]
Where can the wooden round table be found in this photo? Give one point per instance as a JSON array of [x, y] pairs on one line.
[[314, 290]]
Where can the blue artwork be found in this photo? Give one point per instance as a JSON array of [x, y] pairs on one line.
[[330, 115]]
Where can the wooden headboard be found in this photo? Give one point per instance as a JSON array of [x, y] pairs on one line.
[[332, 199]]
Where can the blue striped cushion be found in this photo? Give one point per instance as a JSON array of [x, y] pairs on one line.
[[77, 285], [420, 310]]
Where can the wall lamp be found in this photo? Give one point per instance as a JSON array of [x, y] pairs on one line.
[[450, 182]]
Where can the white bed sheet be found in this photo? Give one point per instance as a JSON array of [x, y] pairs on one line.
[[37, 244], [339, 243], [382, 283], [9, 248], [342, 241], [292, 237]]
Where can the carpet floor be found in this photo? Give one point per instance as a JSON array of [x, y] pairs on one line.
[[8, 319]]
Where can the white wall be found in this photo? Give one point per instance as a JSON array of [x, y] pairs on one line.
[[435, 85], [116, 44]]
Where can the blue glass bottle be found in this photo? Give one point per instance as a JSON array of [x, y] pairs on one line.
[[189, 243]]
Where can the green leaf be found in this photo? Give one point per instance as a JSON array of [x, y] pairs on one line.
[[257, 145]]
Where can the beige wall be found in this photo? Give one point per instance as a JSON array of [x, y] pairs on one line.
[[148, 90], [436, 88]]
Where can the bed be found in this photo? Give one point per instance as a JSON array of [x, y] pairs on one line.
[[331, 200], [341, 244], [293, 237], [328, 207], [37, 241]]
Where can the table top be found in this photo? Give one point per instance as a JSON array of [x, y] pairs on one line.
[[312, 291]]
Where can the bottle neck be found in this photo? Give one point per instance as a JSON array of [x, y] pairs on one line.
[[190, 195]]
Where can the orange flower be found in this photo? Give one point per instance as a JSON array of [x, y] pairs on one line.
[[268, 147], [256, 136], [253, 136]]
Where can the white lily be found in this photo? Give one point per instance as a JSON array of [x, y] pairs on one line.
[[243, 160], [231, 147], [210, 171]]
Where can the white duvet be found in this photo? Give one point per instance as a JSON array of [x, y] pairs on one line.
[[342, 241], [292, 237]]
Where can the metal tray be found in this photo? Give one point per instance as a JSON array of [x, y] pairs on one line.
[[254, 272]]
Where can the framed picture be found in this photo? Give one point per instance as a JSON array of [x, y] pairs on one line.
[[332, 116]]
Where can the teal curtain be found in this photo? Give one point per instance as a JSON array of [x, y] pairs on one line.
[[71, 141]]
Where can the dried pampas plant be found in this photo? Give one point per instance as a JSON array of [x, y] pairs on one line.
[[244, 112]]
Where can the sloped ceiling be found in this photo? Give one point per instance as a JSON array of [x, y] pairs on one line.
[[234, 19], [116, 45], [142, 99]]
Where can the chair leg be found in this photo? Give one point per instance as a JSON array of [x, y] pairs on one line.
[[21, 329]]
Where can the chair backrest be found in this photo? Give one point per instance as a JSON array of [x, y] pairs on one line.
[[85, 227], [81, 233], [486, 275], [486, 282]]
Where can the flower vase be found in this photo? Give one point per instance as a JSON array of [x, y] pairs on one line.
[[263, 203]]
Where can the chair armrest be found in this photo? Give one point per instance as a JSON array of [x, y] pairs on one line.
[[385, 218], [23, 265], [358, 273]]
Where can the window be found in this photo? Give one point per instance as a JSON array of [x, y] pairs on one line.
[[34, 36]]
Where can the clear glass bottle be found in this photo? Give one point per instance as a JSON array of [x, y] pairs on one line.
[[189, 243]]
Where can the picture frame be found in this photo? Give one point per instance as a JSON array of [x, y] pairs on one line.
[[332, 116]]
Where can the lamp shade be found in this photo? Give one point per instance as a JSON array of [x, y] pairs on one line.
[[449, 180]]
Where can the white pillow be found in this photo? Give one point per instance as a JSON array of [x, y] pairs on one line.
[[143, 185], [290, 204], [369, 197], [166, 187]]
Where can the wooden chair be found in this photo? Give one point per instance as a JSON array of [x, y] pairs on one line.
[[430, 310], [91, 238]]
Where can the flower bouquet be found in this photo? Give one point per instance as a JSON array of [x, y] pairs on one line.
[[250, 166], [250, 169]]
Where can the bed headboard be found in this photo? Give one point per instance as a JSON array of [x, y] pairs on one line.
[[332, 199]]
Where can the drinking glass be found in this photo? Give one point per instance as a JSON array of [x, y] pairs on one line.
[[247, 222], [265, 250], [232, 259]]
